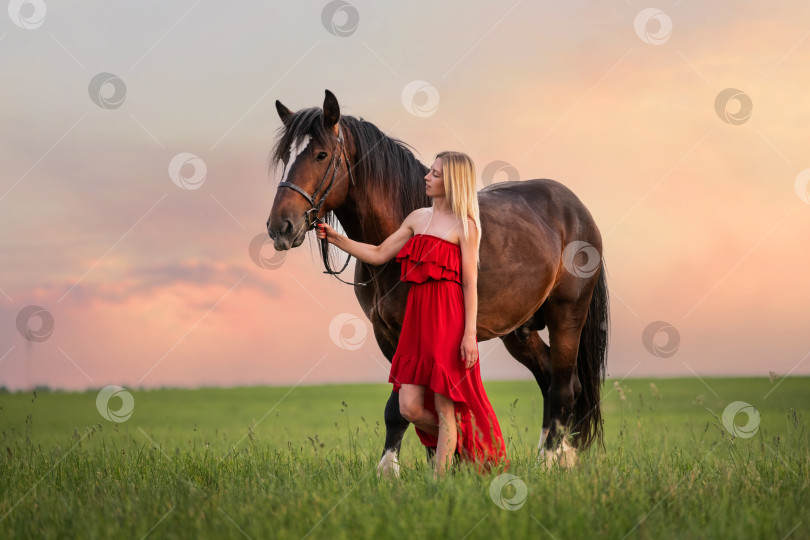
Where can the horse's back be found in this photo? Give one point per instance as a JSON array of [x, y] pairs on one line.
[[543, 191], [523, 205]]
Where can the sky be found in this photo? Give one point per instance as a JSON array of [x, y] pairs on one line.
[[135, 143]]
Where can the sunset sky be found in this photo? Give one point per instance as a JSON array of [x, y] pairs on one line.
[[704, 210]]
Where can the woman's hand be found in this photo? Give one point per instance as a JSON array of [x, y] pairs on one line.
[[324, 230], [469, 350]]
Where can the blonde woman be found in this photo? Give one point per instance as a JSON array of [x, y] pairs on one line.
[[435, 368]]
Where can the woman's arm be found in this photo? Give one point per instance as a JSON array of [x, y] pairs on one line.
[[369, 253], [469, 283]]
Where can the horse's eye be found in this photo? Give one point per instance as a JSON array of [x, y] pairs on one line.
[[322, 156]]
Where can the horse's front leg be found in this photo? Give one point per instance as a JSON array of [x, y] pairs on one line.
[[395, 428]]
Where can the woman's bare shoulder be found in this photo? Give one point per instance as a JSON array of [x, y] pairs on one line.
[[417, 217]]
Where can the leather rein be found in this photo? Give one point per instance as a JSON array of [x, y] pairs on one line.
[[313, 220]]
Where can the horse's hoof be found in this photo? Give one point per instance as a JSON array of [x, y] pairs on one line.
[[564, 456], [388, 467]]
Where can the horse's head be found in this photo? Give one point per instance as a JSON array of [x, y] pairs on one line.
[[314, 150]]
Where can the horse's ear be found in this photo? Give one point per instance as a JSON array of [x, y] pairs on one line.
[[283, 112], [331, 111]]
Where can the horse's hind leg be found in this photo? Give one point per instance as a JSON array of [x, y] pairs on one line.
[[565, 322], [395, 427], [529, 349]]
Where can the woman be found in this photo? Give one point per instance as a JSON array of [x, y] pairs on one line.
[[435, 368]]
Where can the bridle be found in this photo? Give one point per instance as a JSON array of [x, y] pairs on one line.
[[314, 220]]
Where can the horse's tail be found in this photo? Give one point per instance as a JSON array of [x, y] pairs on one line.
[[591, 360]]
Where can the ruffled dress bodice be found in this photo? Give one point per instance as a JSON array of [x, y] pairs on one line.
[[425, 256]]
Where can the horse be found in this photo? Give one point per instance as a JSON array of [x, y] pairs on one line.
[[534, 235]]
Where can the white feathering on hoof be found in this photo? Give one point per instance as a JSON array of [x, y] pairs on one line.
[[564, 455], [388, 465], [541, 446]]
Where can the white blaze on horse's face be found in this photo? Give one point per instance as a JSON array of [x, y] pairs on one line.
[[295, 151]]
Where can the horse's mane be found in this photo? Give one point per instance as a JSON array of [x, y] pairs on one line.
[[387, 166]]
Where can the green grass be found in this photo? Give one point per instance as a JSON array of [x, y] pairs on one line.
[[277, 462]]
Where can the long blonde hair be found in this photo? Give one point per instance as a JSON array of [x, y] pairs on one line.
[[458, 172]]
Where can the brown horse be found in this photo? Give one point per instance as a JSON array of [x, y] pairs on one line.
[[534, 237]]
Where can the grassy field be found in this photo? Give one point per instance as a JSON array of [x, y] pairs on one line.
[[276, 462]]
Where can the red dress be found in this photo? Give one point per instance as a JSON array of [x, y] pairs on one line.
[[429, 348]]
